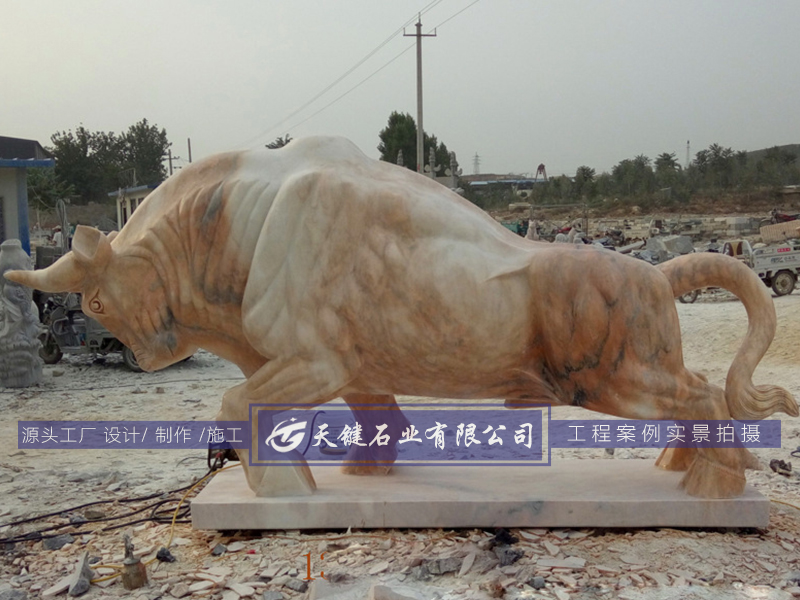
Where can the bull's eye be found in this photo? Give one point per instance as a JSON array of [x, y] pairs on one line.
[[96, 306]]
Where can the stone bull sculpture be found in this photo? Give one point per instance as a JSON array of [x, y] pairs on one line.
[[322, 273]]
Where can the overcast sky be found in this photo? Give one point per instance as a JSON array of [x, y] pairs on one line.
[[519, 82]]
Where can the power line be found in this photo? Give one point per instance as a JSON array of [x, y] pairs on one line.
[[374, 72], [399, 30], [458, 13], [296, 125]]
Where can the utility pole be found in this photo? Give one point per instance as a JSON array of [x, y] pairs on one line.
[[687, 154], [420, 131], [476, 164], [189, 143], [170, 157]]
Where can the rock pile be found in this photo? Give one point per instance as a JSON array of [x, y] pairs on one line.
[[418, 565]]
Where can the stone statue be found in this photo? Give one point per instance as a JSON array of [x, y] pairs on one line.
[[323, 273], [400, 161], [454, 172], [432, 162], [20, 364], [533, 230]]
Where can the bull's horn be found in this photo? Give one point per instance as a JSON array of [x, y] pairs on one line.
[[65, 275]]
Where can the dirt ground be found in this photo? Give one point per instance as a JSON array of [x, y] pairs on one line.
[[630, 564]]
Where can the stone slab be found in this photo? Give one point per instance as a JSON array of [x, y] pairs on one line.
[[780, 232], [571, 493]]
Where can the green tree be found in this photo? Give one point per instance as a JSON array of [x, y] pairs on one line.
[[667, 161], [604, 185], [561, 188], [668, 170], [634, 176], [717, 165], [144, 147], [401, 134], [45, 188], [91, 162], [279, 142], [75, 164], [584, 181], [778, 167]]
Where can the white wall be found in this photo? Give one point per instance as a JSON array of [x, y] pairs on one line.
[[8, 193]]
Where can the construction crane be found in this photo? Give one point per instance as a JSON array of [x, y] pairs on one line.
[[543, 171]]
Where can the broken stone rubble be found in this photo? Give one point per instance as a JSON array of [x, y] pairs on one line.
[[617, 561]]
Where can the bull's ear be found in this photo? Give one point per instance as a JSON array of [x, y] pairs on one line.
[[91, 248]]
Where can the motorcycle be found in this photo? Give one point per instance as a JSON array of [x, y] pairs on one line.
[[68, 330], [778, 217]]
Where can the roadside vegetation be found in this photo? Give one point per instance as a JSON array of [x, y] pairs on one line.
[[718, 179]]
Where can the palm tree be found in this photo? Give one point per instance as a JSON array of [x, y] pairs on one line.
[[279, 142], [667, 161]]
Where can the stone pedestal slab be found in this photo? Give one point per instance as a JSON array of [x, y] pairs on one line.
[[571, 493]]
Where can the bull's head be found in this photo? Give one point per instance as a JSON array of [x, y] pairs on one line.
[[122, 291]]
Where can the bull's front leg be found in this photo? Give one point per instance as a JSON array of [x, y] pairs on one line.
[[281, 381], [372, 412], [264, 481]]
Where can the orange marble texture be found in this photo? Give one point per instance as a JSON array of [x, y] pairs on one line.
[[322, 273]]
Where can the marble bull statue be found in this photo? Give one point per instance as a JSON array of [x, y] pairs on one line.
[[322, 274]]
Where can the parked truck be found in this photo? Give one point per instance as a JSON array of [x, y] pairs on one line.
[[778, 266]]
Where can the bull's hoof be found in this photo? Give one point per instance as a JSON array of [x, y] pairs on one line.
[[707, 479], [676, 459], [268, 482], [355, 469], [751, 460], [369, 461]]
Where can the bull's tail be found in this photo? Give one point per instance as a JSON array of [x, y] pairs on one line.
[[745, 400]]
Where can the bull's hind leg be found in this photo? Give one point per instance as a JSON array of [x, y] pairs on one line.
[[372, 412], [715, 472], [676, 458], [660, 392]]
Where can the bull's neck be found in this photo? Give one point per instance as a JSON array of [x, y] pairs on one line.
[[218, 329], [204, 273]]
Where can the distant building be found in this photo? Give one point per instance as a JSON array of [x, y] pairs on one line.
[[129, 199], [518, 184], [16, 157]]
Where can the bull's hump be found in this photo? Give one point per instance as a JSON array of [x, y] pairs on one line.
[[301, 155]]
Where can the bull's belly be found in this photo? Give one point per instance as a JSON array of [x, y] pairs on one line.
[[512, 384]]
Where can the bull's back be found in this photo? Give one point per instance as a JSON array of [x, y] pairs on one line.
[[368, 258]]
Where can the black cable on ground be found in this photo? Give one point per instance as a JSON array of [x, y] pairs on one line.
[[218, 463], [95, 503], [39, 534]]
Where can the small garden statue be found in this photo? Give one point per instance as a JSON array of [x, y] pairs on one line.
[[20, 365]]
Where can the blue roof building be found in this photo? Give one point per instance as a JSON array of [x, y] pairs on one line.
[[16, 157]]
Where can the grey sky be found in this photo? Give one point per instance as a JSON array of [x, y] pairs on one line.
[[520, 82]]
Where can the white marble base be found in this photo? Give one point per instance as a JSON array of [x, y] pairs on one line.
[[571, 493]]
